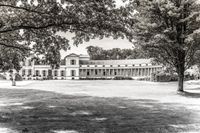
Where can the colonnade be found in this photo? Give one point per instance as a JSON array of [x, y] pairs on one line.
[[42, 73], [93, 72], [128, 72]]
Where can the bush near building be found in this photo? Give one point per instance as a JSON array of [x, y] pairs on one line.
[[161, 77], [17, 77], [167, 77], [92, 78], [122, 78], [2, 77]]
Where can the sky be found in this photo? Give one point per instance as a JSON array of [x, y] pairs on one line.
[[106, 43]]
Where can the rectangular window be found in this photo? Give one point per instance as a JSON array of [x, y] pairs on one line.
[[37, 73], [55, 73], [96, 72], [88, 73], [29, 62], [104, 73], [24, 63], [44, 73], [23, 72], [29, 72], [73, 72], [49, 72], [62, 73], [73, 62]]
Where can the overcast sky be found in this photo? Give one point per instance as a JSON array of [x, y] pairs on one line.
[[106, 43]]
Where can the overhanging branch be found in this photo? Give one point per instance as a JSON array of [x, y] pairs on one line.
[[15, 47]]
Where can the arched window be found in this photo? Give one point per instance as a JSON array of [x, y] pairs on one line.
[[73, 62]]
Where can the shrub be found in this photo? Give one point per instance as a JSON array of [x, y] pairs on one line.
[[2, 77], [17, 77], [122, 78], [49, 77], [163, 77]]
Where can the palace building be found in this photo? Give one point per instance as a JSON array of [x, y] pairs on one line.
[[81, 67]]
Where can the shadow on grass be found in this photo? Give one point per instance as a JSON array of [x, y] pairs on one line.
[[190, 94], [46, 112]]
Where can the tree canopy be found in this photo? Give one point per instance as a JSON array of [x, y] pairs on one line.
[[169, 30], [33, 25], [98, 53]]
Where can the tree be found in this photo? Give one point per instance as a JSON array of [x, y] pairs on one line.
[[10, 60], [34, 26], [98, 53], [95, 53], [169, 30]]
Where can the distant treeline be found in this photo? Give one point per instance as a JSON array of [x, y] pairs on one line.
[[98, 53]]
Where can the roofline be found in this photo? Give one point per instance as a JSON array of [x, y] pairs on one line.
[[72, 54]]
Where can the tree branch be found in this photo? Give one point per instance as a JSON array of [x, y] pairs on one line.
[[21, 8], [16, 47]]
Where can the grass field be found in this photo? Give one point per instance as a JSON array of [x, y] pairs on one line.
[[87, 107]]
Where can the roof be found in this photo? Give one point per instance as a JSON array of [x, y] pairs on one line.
[[72, 55], [83, 55], [116, 62]]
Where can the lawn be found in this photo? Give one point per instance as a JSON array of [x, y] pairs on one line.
[[85, 107]]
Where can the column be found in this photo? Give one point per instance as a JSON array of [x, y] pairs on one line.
[[138, 72], [145, 72], [131, 72]]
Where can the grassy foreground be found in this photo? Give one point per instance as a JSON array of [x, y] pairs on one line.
[[33, 111]]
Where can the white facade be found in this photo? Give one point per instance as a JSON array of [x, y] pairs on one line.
[[80, 67]]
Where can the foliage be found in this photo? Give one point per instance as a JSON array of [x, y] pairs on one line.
[[98, 53], [18, 77], [2, 77], [169, 30], [10, 58], [122, 78], [34, 26]]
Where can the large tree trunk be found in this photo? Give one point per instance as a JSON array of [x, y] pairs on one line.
[[180, 82], [13, 80], [181, 71]]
